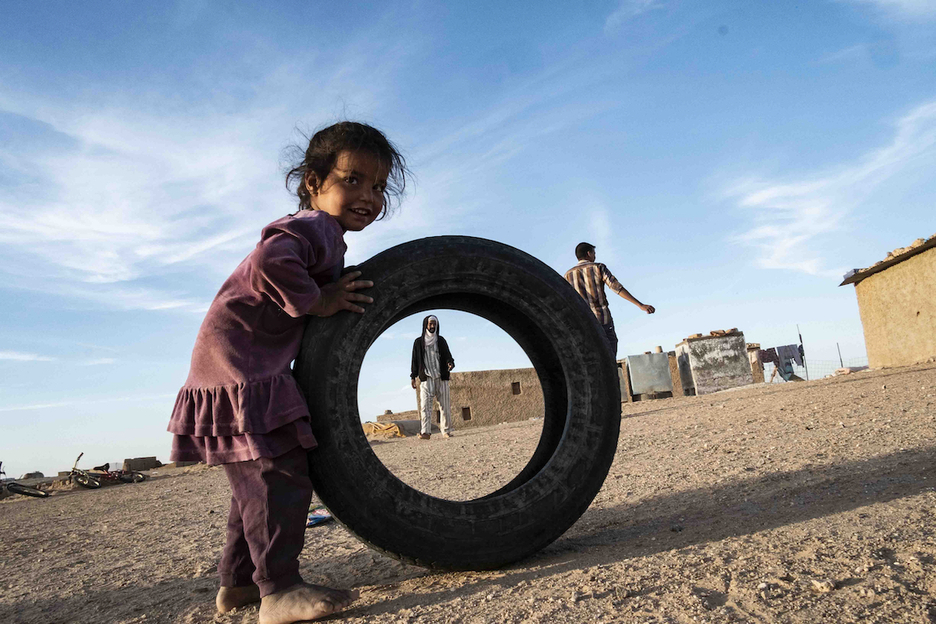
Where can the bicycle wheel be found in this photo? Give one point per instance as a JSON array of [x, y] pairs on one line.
[[566, 346], [87, 481], [25, 490]]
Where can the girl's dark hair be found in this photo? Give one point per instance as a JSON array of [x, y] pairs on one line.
[[325, 145]]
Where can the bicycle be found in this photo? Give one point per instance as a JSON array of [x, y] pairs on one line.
[[104, 473], [19, 488], [83, 477]]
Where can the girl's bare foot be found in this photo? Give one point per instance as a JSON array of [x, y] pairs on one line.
[[304, 602], [232, 597]]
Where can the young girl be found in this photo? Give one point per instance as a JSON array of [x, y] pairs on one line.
[[240, 405]]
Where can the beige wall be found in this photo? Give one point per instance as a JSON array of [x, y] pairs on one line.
[[490, 397], [898, 311]]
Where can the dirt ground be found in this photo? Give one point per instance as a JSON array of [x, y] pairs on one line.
[[800, 502]]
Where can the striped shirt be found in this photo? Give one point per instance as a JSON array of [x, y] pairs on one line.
[[589, 279]]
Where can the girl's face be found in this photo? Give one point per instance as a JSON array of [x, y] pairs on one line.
[[353, 192]]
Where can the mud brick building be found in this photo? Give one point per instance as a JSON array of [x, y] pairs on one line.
[[495, 396], [897, 303], [486, 397]]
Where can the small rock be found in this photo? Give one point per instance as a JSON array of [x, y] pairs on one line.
[[768, 591], [867, 592], [822, 586]]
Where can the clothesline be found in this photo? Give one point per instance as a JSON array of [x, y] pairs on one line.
[[783, 357]]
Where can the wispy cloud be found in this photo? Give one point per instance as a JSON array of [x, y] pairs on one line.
[[116, 399], [790, 215], [135, 190], [549, 102], [601, 232], [24, 357], [846, 54], [132, 196], [629, 9], [907, 9], [99, 362]]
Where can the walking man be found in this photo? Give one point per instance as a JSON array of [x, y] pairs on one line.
[[589, 279], [432, 362]]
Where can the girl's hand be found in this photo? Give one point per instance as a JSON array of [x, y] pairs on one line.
[[340, 295]]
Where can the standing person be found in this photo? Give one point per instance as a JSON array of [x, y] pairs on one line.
[[432, 361], [241, 407], [589, 279]]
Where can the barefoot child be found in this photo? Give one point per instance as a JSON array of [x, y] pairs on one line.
[[240, 405]]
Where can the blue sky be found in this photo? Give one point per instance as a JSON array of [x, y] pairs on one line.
[[730, 160]]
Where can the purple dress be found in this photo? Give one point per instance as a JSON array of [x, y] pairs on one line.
[[240, 401]]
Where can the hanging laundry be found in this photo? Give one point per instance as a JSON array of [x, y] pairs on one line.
[[769, 355], [790, 352]]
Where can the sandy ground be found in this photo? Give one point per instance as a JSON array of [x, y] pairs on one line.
[[808, 502]]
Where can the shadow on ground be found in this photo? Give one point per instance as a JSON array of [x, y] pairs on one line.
[[710, 514]]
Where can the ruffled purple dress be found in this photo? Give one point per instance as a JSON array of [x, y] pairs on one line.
[[240, 401]]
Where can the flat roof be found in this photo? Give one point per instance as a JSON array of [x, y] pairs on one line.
[[856, 275]]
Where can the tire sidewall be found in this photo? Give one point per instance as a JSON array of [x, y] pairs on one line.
[[555, 328]]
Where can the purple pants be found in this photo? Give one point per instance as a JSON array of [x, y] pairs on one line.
[[266, 525]]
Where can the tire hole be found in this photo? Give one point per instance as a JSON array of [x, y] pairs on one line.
[[495, 428]]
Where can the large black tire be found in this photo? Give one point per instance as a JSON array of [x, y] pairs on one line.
[[87, 481], [565, 344], [25, 490]]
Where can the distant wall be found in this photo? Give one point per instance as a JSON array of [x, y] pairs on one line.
[[407, 415], [712, 363], [898, 311], [489, 397], [141, 463]]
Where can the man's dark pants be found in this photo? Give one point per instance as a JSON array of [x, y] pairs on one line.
[[612, 338]]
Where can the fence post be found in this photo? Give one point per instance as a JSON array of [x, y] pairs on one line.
[[804, 351]]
